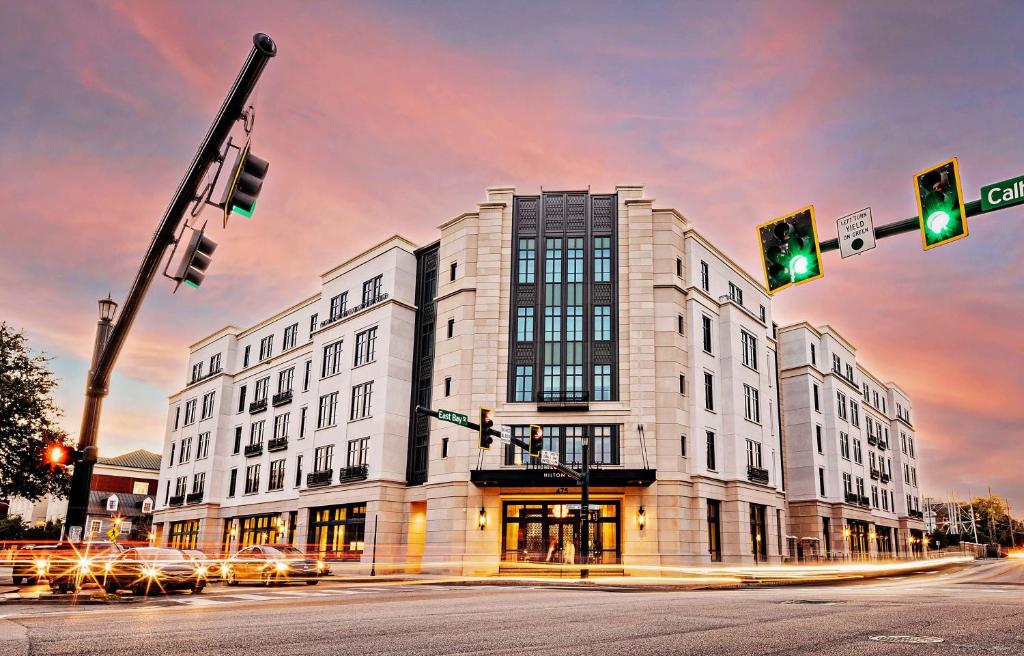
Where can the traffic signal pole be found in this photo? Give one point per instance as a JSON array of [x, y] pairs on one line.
[[106, 353], [912, 224]]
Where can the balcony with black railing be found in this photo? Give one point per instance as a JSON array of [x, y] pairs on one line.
[[257, 406], [882, 444], [195, 497], [916, 514], [872, 440], [568, 400], [850, 497], [277, 444], [875, 474], [176, 500], [885, 478], [757, 475], [864, 501], [281, 398], [319, 478], [253, 449], [354, 473], [352, 310]]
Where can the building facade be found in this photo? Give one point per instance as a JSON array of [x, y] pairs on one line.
[[598, 316], [852, 459]]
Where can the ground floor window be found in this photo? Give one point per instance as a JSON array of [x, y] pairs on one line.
[[225, 539], [884, 540], [758, 533], [826, 534], [258, 529], [184, 534], [858, 536], [715, 530], [550, 531], [338, 532]]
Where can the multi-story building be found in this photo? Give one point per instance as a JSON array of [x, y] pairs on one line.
[[600, 317], [851, 460]]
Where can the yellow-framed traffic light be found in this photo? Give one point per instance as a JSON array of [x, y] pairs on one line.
[[536, 440], [790, 253], [940, 204], [485, 439]]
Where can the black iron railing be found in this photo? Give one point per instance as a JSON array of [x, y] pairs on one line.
[[277, 444], [257, 406], [195, 497], [176, 500], [575, 399], [253, 449], [875, 474], [320, 478], [281, 398], [757, 474], [354, 473]]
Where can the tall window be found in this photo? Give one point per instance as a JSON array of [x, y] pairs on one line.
[[372, 289], [312, 324], [524, 324], [709, 390], [358, 450], [203, 446], [749, 343], [190, 412], [841, 404], [281, 423], [284, 380], [186, 451], [602, 259], [527, 261], [705, 276], [252, 479], [817, 400], [753, 454], [266, 347], [328, 413], [307, 374], [366, 346], [214, 363], [844, 445], [303, 411], [735, 293], [256, 433], [362, 397], [524, 382], [858, 456], [751, 404], [197, 371], [712, 459], [602, 323], [854, 413], [821, 481], [245, 356], [232, 482], [323, 458], [291, 336], [237, 445], [339, 304], [207, 405], [332, 359], [260, 392], [276, 481], [706, 332], [714, 528], [602, 382], [817, 438]]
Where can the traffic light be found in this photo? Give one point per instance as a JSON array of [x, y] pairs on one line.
[[789, 250], [58, 455], [940, 204], [486, 423], [244, 184], [195, 261], [536, 440]]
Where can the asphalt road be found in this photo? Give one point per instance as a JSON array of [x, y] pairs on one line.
[[976, 610]]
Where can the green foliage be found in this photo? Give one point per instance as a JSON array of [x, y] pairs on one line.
[[28, 422], [992, 519]]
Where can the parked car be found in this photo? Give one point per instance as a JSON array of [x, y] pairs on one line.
[[144, 570], [31, 563], [271, 565], [72, 566], [207, 567]]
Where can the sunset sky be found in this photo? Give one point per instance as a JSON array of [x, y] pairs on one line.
[[391, 117]]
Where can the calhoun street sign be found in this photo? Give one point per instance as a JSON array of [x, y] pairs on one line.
[[856, 232], [453, 417], [1002, 194]]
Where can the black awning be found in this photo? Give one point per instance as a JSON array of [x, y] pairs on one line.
[[536, 477]]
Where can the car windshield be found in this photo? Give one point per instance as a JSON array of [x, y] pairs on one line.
[[286, 551], [159, 555]]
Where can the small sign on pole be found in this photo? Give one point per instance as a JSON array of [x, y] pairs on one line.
[[549, 457], [112, 534], [856, 232], [506, 433]]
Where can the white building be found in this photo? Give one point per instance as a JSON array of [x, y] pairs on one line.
[[851, 457]]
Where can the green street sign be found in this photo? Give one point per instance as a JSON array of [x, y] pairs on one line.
[[1002, 194], [453, 417]]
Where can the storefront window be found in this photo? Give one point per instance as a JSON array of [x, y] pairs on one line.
[[338, 532], [184, 534], [258, 529], [541, 532]]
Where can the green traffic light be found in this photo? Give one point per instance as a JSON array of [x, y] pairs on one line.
[[191, 284], [940, 204], [938, 221], [246, 213], [799, 265]]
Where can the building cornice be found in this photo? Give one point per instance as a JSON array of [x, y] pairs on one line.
[[450, 222], [378, 249], [691, 232]]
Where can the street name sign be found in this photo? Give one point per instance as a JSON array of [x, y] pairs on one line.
[[453, 417], [1002, 194], [856, 232]]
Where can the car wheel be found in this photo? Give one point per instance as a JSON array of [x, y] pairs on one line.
[[312, 581], [139, 590], [32, 580], [17, 580], [198, 587], [268, 579], [229, 577], [110, 586]]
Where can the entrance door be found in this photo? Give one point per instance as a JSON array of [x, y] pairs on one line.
[[543, 531]]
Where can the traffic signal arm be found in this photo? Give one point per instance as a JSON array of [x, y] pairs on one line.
[[568, 471], [913, 224]]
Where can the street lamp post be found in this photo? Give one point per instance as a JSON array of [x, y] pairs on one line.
[[82, 474], [585, 510]]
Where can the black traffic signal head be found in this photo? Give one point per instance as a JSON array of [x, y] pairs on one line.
[[59, 455], [940, 204], [536, 440], [486, 424], [195, 260], [789, 250], [244, 184]]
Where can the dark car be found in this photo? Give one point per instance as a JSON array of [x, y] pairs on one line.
[[206, 567], [72, 566], [145, 570], [270, 565], [31, 563]]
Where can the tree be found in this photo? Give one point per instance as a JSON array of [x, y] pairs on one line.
[[28, 422]]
